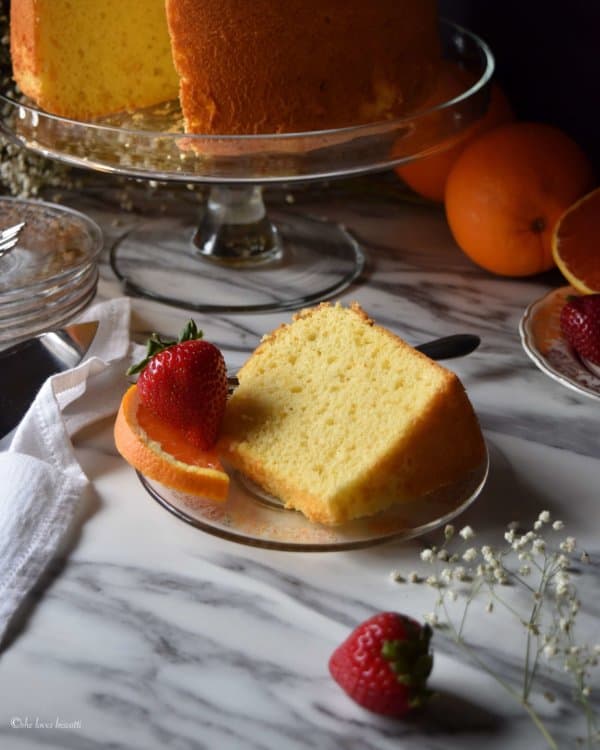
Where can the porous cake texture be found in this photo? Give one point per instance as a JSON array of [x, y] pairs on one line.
[[239, 66], [340, 418], [87, 58]]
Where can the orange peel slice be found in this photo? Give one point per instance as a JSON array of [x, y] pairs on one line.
[[161, 453], [576, 244]]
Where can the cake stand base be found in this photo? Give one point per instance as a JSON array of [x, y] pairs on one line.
[[287, 261]]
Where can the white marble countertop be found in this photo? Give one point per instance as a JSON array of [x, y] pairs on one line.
[[152, 634]]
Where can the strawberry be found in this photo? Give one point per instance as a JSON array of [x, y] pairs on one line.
[[580, 324], [384, 664], [184, 383]]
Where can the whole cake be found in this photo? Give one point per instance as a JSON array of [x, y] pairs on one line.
[[340, 418], [240, 66]]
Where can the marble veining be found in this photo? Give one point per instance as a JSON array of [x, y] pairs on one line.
[[151, 634]]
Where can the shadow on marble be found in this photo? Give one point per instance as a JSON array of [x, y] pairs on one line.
[[447, 713]]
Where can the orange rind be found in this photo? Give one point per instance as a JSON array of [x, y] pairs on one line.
[[576, 244], [160, 452]]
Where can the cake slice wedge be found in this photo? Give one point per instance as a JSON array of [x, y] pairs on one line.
[[340, 418]]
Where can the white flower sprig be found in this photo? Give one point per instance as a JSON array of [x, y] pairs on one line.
[[538, 563]]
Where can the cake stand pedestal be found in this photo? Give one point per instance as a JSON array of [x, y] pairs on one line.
[[239, 257]]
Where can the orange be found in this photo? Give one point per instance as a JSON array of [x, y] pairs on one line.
[[506, 192], [427, 176], [159, 452], [576, 244]]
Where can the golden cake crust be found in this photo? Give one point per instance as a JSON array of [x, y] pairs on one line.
[[271, 66]]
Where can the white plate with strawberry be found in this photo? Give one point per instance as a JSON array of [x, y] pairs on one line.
[[561, 334]]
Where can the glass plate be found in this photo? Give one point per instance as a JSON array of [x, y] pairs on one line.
[[543, 341], [251, 517], [55, 244]]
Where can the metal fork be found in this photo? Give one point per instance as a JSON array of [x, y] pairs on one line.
[[9, 238]]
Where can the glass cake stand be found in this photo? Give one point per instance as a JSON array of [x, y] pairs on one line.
[[237, 257]]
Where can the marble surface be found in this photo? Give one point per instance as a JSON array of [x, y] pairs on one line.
[[149, 633]]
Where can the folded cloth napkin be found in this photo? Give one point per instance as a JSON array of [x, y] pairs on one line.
[[42, 482]]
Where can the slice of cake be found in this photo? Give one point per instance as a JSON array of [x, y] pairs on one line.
[[340, 418], [271, 66], [86, 58]]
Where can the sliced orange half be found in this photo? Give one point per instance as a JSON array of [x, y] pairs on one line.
[[160, 452], [576, 243]]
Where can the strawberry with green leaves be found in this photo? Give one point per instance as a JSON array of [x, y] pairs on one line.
[[184, 383], [384, 664]]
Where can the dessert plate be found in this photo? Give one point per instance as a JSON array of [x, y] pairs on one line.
[[251, 517], [543, 341]]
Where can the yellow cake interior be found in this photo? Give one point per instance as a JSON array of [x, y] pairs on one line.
[[340, 418], [83, 58]]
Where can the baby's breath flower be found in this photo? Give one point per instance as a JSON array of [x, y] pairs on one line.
[[396, 576], [562, 589], [550, 621], [509, 536], [538, 546], [447, 575], [569, 544]]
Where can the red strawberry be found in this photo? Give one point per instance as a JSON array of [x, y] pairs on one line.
[[184, 383], [384, 664], [580, 324]]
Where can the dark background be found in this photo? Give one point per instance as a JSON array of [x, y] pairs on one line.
[[547, 59]]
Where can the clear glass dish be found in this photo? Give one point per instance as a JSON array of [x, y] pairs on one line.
[[51, 273], [251, 517], [237, 258]]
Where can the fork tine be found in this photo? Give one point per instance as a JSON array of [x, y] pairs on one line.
[[6, 245], [11, 232]]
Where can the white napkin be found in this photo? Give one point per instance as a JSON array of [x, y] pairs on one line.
[[41, 480]]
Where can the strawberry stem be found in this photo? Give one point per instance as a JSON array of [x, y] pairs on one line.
[[157, 344]]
